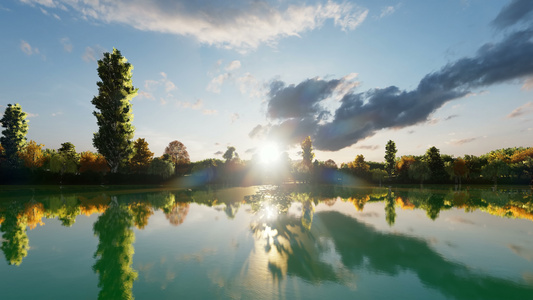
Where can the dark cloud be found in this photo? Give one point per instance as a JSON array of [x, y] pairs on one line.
[[462, 141], [296, 111], [450, 117], [368, 147], [296, 101], [514, 12], [219, 153]]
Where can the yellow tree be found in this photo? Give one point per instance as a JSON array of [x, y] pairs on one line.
[[142, 156], [32, 155], [93, 162], [307, 152]]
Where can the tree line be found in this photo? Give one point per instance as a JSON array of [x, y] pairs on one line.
[[120, 159]]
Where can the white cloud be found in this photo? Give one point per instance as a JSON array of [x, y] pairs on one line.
[[27, 48], [528, 84], [57, 114], [234, 65], [249, 85], [198, 104], [522, 110], [31, 115], [210, 112], [143, 94], [239, 24], [234, 117], [216, 83], [151, 87], [387, 11], [93, 53], [67, 45]]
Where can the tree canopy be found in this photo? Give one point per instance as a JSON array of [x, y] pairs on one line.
[[13, 137], [113, 110]]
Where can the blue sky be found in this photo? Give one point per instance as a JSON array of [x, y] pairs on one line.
[[211, 74]]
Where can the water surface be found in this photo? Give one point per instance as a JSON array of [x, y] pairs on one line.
[[266, 242]]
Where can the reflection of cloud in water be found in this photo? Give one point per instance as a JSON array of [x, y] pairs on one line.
[[199, 256], [528, 278], [368, 215], [457, 219], [525, 253], [294, 251]]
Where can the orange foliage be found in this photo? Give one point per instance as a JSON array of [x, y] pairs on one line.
[[32, 155], [360, 202], [520, 156], [2, 220], [405, 203], [517, 212], [178, 213], [34, 213], [142, 211], [94, 205], [93, 162]]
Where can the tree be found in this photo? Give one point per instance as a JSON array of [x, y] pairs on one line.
[[178, 152], [402, 167], [113, 115], [142, 156], [14, 135], [68, 150], [32, 155], [359, 165], [307, 152], [419, 170], [435, 164], [494, 170], [93, 162], [160, 167], [230, 154], [390, 157]]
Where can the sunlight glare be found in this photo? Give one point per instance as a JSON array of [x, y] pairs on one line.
[[269, 153]]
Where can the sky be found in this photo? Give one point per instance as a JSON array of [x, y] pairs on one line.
[[457, 74]]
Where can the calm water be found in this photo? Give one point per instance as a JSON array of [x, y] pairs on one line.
[[266, 243]]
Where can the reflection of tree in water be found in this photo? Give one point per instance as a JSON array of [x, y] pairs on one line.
[[65, 207], [15, 243], [177, 215], [114, 253], [390, 209], [361, 247], [141, 212]]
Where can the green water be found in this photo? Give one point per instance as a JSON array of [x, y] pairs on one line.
[[266, 242]]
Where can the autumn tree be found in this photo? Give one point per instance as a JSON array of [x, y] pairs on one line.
[[390, 157], [93, 162], [402, 166], [32, 155], [113, 110], [13, 137], [179, 156], [359, 165], [142, 156]]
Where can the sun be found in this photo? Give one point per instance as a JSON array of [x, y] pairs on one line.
[[269, 154]]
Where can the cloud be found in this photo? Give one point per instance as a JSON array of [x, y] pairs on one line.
[[198, 104], [234, 117], [296, 111], [27, 48], [216, 83], [528, 84], [461, 141], [250, 151], [368, 147], [219, 153], [67, 45], [249, 85], [93, 53], [59, 113], [234, 65], [450, 117], [31, 115], [387, 11], [522, 110], [239, 24], [143, 94], [210, 112], [152, 87], [515, 12]]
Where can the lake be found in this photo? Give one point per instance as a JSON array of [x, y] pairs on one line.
[[266, 242]]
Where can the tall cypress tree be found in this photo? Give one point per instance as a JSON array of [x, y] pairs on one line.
[[114, 114], [14, 136], [390, 157]]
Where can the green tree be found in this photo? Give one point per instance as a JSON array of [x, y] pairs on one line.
[[419, 170], [390, 209], [114, 254], [161, 167], [307, 152], [68, 150], [494, 170], [435, 164], [114, 114], [13, 137], [390, 157], [359, 166], [142, 156], [230, 154], [15, 242]]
